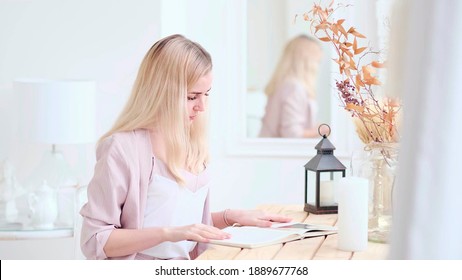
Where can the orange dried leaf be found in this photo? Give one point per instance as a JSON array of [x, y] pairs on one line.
[[372, 81], [392, 102], [353, 64], [341, 66], [340, 21], [377, 64], [325, 39], [360, 50], [349, 54], [367, 70], [353, 107], [343, 48], [341, 29], [376, 82], [334, 29], [389, 116], [357, 34], [347, 71], [368, 78], [348, 44], [322, 26], [359, 82]]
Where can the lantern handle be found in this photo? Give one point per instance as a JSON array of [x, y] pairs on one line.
[[319, 130]]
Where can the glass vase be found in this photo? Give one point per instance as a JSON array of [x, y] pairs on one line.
[[377, 162]]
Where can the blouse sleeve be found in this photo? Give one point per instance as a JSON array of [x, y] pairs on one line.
[[106, 196]]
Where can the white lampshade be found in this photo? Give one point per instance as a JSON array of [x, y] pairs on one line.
[[58, 111]]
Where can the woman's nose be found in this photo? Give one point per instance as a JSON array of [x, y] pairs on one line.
[[199, 104]]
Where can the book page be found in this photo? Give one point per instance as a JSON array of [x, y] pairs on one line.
[[306, 227], [252, 237]]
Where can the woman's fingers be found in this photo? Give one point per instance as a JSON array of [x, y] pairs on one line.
[[211, 232], [267, 220], [263, 223], [202, 233], [278, 218]]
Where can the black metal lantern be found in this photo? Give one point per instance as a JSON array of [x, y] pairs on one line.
[[320, 174]]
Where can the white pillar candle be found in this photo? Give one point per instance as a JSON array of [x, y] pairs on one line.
[[352, 214], [326, 196]]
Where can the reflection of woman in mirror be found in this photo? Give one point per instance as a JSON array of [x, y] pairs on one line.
[[292, 107]]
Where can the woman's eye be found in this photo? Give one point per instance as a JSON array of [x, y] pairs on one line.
[[192, 98]]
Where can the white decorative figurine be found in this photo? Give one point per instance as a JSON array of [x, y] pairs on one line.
[[44, 205], [9, 190]]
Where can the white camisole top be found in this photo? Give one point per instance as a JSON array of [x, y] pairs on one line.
[[169, 204]]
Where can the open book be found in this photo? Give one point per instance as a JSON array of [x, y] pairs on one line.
[[253, 237]]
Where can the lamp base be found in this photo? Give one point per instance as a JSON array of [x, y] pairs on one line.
[[54, 169], [320, 210]]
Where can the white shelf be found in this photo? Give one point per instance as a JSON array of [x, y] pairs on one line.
[[23, 234]]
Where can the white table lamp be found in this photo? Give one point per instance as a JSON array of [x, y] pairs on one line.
[[57, 112]]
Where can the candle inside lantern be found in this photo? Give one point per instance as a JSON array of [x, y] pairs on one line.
[[352, 213], [326, 196]]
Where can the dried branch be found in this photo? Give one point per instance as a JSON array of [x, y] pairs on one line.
[[377, 118]]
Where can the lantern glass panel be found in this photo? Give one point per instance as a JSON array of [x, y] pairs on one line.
[[311, 187], [327, 193]]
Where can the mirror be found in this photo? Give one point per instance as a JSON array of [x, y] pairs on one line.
[[241, 108], [271, 25]]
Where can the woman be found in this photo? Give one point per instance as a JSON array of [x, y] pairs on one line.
[[291, 108], [149, 196]]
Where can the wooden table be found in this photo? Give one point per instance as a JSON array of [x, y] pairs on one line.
[[315, 248]]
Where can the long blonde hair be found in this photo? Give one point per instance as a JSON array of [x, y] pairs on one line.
[[299, 61], [158, 100]]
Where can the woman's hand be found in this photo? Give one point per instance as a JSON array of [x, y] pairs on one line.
[[195, 232], [257, 218]]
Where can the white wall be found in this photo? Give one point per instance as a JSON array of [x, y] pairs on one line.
[[105, 40]]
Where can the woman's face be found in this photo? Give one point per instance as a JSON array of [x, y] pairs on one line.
[[197, 96]]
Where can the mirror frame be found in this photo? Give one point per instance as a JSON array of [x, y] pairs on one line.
[[238, 144]]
